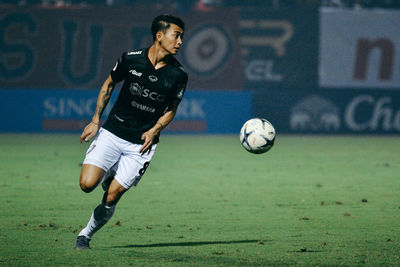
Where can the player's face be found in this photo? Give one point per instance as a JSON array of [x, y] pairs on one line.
[[171, 40]]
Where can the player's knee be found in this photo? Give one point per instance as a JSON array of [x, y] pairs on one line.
[[85, 188], [85, 185]]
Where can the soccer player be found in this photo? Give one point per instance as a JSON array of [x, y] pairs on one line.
[[154, 84]]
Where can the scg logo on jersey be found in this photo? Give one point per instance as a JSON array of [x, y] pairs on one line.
[[136, 89]]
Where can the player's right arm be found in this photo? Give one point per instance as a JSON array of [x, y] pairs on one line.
[[102, 101]]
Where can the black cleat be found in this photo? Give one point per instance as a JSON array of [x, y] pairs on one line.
[[82, 242]]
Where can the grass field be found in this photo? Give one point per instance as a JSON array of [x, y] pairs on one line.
[[205, 201]]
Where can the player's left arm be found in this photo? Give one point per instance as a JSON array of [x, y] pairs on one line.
[[162, 122]]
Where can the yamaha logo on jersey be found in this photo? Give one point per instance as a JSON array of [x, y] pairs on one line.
[[153, 78]]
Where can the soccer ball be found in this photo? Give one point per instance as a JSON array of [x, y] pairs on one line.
[[257, 135]]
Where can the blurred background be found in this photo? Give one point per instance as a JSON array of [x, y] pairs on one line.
[[308, 66]]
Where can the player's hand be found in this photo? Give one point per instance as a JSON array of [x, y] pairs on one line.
[[148, 138], [89, 131]]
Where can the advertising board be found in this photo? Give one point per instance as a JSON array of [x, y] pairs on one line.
[[23, 110], [359, 49], [77, 48], [349, 111]]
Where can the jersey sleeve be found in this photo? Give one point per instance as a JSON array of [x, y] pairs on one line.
[[180, 89], [118, 73]]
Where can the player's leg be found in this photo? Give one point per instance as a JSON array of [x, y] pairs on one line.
[[114, 193], [100, 157], [90, 177], [102, 154], [105, 210], [109, 177], [131, 167], [129, 170], [101, 214]]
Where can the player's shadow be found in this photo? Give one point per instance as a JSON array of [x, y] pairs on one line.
[[190, 244]]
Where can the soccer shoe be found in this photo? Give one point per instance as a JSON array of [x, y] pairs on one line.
[[107, 181], [82, 242]]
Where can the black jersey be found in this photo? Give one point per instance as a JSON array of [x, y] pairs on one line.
[[145, 96]]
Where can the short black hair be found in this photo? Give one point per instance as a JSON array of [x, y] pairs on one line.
[[163, 22]]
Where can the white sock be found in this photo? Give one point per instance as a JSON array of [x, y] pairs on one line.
[[100, 216]]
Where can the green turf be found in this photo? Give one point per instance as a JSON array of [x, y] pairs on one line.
[[205, 201]]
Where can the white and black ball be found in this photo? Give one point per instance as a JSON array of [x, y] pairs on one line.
[[257, 135]]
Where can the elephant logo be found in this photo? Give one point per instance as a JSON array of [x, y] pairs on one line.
[[315, 113]]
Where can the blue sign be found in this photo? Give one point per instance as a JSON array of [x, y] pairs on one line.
[[24, 110]]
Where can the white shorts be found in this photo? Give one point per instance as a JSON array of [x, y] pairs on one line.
[[109, 151]]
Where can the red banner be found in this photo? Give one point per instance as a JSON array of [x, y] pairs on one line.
[[76, 48]]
